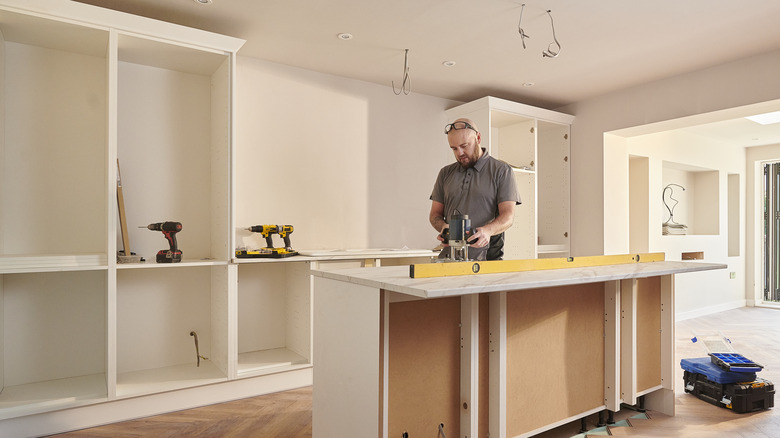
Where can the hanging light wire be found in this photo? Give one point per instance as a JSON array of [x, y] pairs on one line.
[[406, 85], [520, 30], [549, 53]]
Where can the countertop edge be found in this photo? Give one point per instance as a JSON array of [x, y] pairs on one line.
[[396, 278]]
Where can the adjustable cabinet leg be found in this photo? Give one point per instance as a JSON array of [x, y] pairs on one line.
[[583, 425], [610, 417], [601, 422]]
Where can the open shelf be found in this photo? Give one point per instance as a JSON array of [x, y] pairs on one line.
[[54, 340], [513, 139], [274, 316], [151, 264], [53, 147], [173, 146], [168, 378], [273, 360], [157, 310], [44, 396], [27, 264]]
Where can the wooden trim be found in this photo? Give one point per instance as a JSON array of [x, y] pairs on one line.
[[497, 364], [628, 293], [648, 337], [469, 365], [612, 345]]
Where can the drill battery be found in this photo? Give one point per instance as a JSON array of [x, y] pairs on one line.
[[274, 253], [168, 256]]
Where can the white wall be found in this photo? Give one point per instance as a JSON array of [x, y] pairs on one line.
[[347, 163], [747, 81], [647, 163]]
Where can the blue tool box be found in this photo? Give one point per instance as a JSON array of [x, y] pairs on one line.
[[703, 365], [739, 397]]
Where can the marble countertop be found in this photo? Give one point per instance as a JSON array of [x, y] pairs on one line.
[[396, 278]]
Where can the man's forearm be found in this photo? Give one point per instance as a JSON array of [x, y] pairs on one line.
[[502, 222], [438, 222]]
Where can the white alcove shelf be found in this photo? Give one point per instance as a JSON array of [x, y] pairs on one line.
[[698, 205]]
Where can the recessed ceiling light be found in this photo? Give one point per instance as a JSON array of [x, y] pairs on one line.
[[528, 84], [203, 2], [766, 119], [448, 63], [345, 36]]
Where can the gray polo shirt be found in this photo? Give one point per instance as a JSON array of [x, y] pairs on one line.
[[476, 191]]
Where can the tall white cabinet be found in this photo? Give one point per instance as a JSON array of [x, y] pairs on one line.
[[536, 143], [82, 337], [85, 340]]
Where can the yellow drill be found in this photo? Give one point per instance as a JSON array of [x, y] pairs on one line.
[[268, 231], [284, 232]]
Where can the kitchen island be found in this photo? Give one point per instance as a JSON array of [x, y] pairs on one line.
[[509, 354]]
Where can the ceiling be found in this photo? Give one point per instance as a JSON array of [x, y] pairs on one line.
[[605, 45]]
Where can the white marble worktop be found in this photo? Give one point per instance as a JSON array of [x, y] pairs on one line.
[[396, 278]]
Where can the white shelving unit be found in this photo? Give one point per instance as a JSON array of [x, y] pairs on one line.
[[82, 87], [85, 340], [536, 143]]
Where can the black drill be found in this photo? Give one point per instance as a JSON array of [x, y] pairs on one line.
[[169, 229]]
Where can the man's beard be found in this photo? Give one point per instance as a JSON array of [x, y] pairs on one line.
[[472, 161]]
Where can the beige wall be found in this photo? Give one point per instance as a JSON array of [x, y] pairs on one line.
[[747, 81], [639, 168], [363, 160], [750, 81], [348, 163]]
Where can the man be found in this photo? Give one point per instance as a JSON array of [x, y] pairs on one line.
[[476, 185]]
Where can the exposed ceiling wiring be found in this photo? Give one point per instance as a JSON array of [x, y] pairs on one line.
[[406, 85]]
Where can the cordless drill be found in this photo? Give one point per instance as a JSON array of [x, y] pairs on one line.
[[266, 231], [284, 232], [169, 230]]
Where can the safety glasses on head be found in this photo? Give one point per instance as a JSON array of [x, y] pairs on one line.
[[458, 125]]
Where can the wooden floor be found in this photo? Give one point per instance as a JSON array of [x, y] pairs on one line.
[[754, 332]]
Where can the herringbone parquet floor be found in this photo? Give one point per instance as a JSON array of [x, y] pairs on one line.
[[755, 333], [281, 415]]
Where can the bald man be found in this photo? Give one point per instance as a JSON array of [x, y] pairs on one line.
[[476, 185]]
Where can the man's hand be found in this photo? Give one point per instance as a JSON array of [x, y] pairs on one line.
[[480, 239], [506, 215], [440, 235]]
